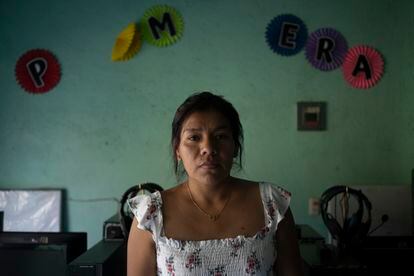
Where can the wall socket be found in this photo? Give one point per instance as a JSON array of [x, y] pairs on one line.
[[314, 206]]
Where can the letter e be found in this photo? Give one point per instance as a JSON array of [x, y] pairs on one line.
[[288, 35]]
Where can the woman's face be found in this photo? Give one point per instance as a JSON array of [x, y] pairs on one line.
[[206, 147]]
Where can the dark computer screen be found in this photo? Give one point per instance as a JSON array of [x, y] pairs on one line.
[[43, 254]]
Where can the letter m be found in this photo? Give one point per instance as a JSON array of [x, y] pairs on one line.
[[156, 25]]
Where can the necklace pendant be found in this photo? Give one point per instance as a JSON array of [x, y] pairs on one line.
[[213, 217]]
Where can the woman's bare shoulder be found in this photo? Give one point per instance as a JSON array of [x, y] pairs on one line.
[[246, 184], [247, 188], [172, 194]]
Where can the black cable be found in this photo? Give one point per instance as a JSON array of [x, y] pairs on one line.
[[384, 219]]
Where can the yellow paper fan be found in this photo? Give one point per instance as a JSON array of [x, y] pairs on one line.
[[127, 43]]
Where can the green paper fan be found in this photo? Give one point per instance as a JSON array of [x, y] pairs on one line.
[[162, 25]]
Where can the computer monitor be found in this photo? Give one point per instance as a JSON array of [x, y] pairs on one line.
[[43, 253], [32, 210], [393, 201]]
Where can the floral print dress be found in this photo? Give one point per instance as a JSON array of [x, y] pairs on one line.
[[239, 255]]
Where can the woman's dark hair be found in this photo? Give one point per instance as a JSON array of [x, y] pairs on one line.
[[205, 101]]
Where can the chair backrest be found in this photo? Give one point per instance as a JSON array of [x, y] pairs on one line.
[[126, 216]]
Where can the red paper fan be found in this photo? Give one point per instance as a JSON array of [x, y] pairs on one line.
[[37, 71], [363, 67]]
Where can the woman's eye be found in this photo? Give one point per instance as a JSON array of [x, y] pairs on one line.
[[193, 138], [221, 136]]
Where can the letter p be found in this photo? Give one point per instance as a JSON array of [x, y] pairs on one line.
[[37, 68]]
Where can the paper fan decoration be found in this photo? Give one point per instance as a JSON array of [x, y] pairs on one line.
[[286, 34], [326, 49], [37, 71], [363, 66], [162, 25], [127, 43]]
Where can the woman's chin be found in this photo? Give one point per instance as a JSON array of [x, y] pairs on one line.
[[212, 177]]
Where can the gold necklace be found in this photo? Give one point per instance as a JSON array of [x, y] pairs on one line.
[[210, 216]]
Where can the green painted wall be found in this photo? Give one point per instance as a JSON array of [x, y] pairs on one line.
[[106, 126]]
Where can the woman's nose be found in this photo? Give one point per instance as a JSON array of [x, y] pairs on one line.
[[208, 147]]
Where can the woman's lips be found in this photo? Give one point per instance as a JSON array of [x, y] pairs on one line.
[[209, 165]]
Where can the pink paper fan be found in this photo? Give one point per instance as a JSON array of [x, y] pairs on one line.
[[363, 66]]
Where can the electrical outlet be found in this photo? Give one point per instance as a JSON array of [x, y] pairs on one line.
[[314, 206]]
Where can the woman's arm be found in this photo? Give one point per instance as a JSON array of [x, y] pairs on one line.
[[141, 258], [288, 261]]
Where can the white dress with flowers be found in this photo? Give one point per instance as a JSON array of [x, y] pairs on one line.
[[239, 255]]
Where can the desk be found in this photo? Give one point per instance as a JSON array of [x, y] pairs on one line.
[[377, 256], [322, 261]]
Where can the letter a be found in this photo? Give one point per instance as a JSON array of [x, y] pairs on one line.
[[362, 65]]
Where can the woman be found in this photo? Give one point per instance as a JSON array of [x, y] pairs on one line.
[[212, 223]]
